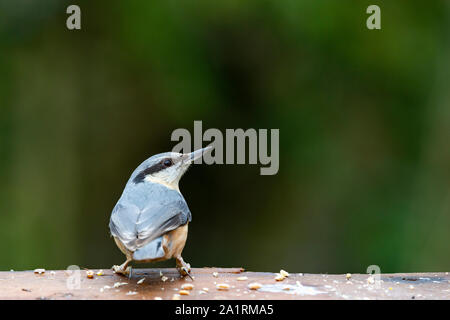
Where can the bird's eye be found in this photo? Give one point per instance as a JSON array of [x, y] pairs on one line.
[[168, 162]]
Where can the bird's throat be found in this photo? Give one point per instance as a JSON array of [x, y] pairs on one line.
[[172, 185]]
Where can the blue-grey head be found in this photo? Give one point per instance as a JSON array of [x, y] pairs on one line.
[[165, 168]]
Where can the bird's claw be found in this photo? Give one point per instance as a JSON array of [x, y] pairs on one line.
[[120, 270], [184, 269], [186, 272]]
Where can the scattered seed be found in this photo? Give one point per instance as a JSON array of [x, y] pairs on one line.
[[215, 274], [254, 286], [131, 293], [370, 280], [164, 278], [184, 292], [279, 277], [52, 273], [187, 286], [205, 289], [348, 276], [90, 274], [176, 297], [284, 273], [222, 286], [38, 271], [119, 284], [26, 290], [157, 298], [242, 279], [100, 273]]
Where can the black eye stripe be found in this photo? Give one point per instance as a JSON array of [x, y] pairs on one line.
[[153, 169]]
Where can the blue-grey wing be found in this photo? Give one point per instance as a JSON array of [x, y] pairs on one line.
[[136, 227], [122, 224]]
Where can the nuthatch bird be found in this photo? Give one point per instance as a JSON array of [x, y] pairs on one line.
[[150, 221]]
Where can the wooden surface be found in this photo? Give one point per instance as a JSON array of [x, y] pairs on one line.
[[54, 285]]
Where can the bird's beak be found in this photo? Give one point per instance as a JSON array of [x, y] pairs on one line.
[[191, 157]]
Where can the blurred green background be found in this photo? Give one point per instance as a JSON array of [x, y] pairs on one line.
[[364, 119]]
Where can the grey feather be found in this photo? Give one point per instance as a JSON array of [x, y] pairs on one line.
[[145, 212], [152, 250]]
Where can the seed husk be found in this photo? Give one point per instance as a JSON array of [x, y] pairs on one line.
[[284, 273], [187, 286], [254, 286], [119, 284], [279, 277], [222, 286]]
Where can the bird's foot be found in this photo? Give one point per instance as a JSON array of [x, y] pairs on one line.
[[184, 268], [123, 270]]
